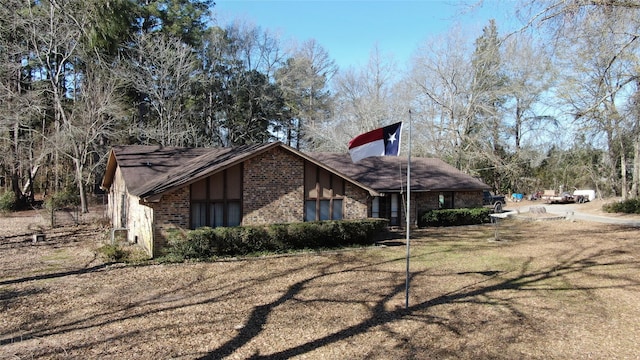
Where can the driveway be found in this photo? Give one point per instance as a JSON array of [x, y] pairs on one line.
[[582, 212]]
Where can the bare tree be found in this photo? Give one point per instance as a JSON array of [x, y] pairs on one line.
[[599, 41], [163, 70], [530, 76], [442, 75], [602, 62], [96, 119], [363, 100], [21, 106]]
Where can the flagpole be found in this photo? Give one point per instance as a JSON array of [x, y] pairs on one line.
[[408, 216]]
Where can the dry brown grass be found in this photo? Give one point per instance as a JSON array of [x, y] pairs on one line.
[[546, 290]]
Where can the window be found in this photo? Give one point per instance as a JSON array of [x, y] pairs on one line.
[[324, 194], [445, 200], [310, 210], [375, 207], [394, 219], [216, 200], [198, 215]]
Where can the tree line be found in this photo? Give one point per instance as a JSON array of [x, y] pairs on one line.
[[553, 105]]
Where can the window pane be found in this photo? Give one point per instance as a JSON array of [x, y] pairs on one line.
[[337, 209], [324, 209], [310, 210], [217, 215], [394, 220], [375, 207], [234, 217], [394, 205], [198, 215], [445, 200]]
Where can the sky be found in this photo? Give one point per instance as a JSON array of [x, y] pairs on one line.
[[349, 30]]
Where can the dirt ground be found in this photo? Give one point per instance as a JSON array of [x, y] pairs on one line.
[[523, 289]]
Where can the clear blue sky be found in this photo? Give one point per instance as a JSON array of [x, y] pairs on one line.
[[348, 30]]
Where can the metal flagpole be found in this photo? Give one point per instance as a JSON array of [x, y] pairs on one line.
[[408, 216]]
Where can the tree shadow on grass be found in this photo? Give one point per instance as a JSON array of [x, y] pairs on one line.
[[56, 275], [525, 280]]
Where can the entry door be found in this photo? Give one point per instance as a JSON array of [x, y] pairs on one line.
[[387, 207]]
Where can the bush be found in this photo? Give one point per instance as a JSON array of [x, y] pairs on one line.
[[205, 243], [629, 206], [454, 217], [191, 245], [8, 201], [113, 253], [63, 199], [119, 253]]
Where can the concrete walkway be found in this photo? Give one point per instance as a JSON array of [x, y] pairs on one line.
[[572, 211]]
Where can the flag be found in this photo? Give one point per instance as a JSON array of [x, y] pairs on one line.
[[379, 142]]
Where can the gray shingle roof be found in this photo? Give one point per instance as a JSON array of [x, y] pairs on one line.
[[213, 159], [140, 163], [153, 170], [149, 171], [389, 173]]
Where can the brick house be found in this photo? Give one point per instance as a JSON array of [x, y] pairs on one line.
[[153, 190], [434, 184]]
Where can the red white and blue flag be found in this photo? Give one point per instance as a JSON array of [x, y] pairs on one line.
[[379, 142]]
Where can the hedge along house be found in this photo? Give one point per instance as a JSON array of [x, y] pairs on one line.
[[153, 190], [434, 184]]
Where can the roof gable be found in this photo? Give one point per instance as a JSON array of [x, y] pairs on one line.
[[214, 160], [150, 171], [388, 173], [139, 163]]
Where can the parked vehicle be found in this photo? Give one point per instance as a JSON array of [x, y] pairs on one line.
[[564, 198], [494, 201]]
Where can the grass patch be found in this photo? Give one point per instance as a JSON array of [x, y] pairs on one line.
[[122, 253]]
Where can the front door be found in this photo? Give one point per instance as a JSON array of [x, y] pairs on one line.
[[387, 207]]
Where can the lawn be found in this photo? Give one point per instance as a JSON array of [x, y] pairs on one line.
[[544, 290]]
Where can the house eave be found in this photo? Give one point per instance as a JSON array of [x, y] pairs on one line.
[[110, 171]]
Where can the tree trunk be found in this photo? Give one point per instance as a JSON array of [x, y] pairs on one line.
[[635, 182], [623, 174], [84, 207]]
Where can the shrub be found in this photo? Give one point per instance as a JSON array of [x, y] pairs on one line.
[[66, 198], [629, 206], [255, 239], [454, 217], [205, 243], [231, 241], [8, 201], [113, 253], [119, 253], [194, 244]]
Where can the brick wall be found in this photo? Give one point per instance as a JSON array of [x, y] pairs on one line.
[[273, 188], [468, 199], [172, 212], [356, 202]]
